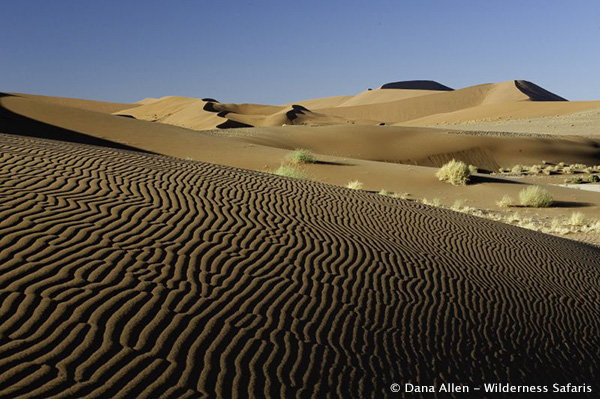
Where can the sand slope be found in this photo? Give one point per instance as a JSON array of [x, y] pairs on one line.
[[127, 275], [90, 105], [206, 114], [415, 103], [445, 101]]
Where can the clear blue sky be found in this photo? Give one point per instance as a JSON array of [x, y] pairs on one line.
[[277, 51]]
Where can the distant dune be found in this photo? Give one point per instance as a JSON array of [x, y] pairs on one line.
[[417, 85], [416, 103], [90, 105], [130, 275]]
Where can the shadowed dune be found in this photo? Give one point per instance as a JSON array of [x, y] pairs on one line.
[[417, 85], [537, 93], [131, 275], [15, 123], [90, 105]]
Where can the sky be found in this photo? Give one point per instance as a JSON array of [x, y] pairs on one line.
[[280, 51]]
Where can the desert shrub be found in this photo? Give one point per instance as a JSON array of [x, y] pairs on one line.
[[434, 202], [454, 172], [535, 197], [548, 170], [574, 180], [593, 178], [458, 205], [535, 169], [289, 171], [505, 202], [354, 185], [568, 170], [579, 166], [576, 219], [384, 192], [402, 196], [301, 155], [473, 169], [517, 169]]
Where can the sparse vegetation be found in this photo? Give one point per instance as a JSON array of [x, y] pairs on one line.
[[505, 202], [354, 185], [576, 219], [458, 205], [593, 178], [402, 196], [473, 169], [574, 180], [384, 192], [535, 197], [517, 169], [434, 202], [454, 172], [289, 171], [300, 156]]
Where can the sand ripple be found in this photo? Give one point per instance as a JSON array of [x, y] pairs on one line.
[[124, 275]]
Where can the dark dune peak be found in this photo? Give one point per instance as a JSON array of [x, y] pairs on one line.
[[537, 93], [417, 85], [295, 111]]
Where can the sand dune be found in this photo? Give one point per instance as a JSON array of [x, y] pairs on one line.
[[417, 85], [422, 146], [128, 275], [413, 103], [582, 123], [90, 105], [444, 102], [370, 154], [202, 115]]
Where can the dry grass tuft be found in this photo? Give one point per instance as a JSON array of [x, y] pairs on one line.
[[454, 172], [535, 197], [354, 185]]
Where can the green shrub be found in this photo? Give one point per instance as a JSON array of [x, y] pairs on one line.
[[574, 180], [289, 171], [593, 178], [454, 172], [535, 197], [301, 156]]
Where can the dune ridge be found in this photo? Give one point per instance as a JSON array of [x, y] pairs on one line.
[[250, 285], [415, 103], [417, 85]]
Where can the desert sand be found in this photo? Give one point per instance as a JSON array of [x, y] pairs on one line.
[[148, 250], [129, 275]]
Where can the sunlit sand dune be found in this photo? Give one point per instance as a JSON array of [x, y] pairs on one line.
[[130, 275]]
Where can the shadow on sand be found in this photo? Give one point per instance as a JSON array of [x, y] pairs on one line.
[[17, 124]]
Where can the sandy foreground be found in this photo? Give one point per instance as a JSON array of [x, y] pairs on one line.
[[148, 250], [128, 275]]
